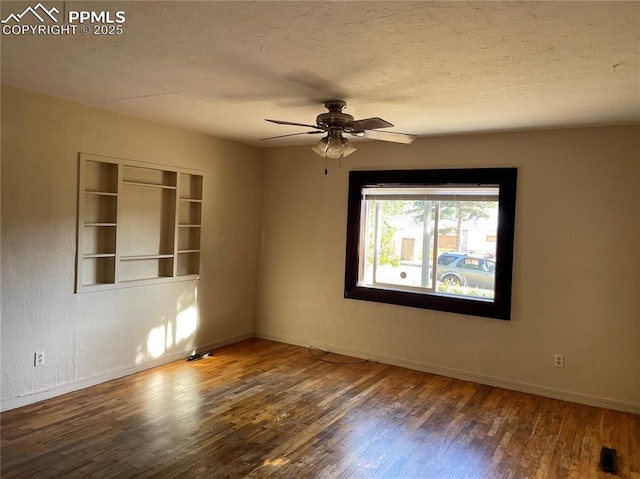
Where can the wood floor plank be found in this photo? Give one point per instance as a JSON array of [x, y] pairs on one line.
[[262, 409]]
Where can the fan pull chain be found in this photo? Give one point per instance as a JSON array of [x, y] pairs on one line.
[[326, 172]]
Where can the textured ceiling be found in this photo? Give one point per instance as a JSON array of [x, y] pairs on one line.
[[428, 67]]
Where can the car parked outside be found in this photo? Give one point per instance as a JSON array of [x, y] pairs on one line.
[[466, 269]]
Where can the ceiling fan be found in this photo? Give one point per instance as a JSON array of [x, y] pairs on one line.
[[335, 123]]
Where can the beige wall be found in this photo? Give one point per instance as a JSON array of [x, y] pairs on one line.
[[94, 336], [576, 272]]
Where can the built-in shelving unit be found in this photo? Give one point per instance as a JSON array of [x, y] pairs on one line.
[[138, 223], [189, 223]]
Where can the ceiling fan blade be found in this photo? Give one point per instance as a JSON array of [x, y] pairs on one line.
[[370, 124], [291, 134], [405, 138], [280, 122]]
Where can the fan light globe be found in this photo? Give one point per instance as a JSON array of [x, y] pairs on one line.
[[320, 148], [334, 148], [347, 147]]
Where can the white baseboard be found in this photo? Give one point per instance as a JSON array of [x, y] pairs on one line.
[[47, 393], [465, 375], [37, 396]]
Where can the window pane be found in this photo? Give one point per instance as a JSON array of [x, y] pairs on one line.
[[399, 241], [466, 256], [394, 236]]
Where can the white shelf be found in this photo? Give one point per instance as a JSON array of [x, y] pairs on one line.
[[145, 256], [128, 207], [148, 185], [147, 280], [100, 193]]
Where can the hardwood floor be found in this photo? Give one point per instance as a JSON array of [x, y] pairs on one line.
[[265, 409]]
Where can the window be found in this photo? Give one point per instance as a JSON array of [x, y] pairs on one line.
[[434, 239]]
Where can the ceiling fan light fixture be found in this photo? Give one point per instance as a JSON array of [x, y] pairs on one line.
[[333, 146]]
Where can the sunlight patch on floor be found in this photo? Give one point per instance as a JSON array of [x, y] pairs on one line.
[[281, 461]]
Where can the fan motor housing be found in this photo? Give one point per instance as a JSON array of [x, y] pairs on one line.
[[334, 118]]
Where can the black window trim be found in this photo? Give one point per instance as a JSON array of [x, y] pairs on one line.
[[504, 178]]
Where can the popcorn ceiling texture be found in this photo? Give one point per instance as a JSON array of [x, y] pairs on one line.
[[428, 67]]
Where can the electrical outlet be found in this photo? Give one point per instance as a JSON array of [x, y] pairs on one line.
[[38, 359], [558, 360]]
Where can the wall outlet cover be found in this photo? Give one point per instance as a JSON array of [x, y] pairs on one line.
[[38, 358]]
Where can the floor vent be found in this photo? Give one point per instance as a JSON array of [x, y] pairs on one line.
[[609, 460]]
